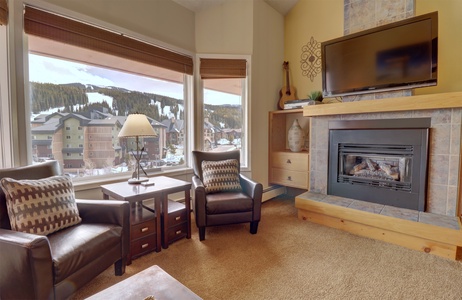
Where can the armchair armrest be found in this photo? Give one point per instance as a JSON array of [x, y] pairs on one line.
[[109, 212], [26, 266], [104, 211], [251, 188], [199, 201], [255, 191]]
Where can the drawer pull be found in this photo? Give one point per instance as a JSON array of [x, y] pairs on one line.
[[178, 218], [144, 229], [144, 245], [288, 161], [289, 178], [178, 232]]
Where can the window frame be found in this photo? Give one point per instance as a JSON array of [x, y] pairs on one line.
[[19, 64], [5, 117], [199, 106]]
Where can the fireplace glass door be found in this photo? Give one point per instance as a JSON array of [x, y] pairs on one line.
[[383, 166], [381, 161]]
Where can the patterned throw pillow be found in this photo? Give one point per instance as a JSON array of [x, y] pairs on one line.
[[221, 176], [41, 206]]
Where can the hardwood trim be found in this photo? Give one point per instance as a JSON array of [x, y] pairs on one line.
[[436, 240], [411, 103], [401, 239], [459, 190]]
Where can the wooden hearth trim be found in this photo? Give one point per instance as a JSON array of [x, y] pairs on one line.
[[459, 190], [410, 103], [436, 240]]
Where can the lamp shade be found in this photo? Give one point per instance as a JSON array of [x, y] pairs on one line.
[[137, 125]]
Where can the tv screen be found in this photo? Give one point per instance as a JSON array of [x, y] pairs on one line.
[[401, 55]]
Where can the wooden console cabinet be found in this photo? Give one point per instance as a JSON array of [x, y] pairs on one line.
[[287, 168]]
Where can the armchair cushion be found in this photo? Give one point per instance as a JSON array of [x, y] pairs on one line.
[[41, 206], [221, 176], [224, 203]]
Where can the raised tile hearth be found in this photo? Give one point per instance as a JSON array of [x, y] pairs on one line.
[[385, 210], [426, 232]]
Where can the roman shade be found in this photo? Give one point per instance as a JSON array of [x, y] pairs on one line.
[[62, 29], [3, 12], [212, 68]]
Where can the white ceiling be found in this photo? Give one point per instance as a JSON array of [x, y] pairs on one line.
[[282, 6]]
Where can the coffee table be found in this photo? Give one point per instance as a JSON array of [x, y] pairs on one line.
[[151, 282], [136, 193]]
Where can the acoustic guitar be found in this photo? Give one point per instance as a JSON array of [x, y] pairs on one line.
[[287, 92]]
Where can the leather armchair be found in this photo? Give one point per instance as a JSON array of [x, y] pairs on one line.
[[224, 207], [55, 266]]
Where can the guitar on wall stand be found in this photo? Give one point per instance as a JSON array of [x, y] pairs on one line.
[[287, 92]]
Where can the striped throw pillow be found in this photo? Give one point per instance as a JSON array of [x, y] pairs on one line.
[[221, 176], [41, 206]]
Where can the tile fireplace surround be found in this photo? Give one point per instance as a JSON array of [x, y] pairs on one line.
[[445, 111], [438, 230]]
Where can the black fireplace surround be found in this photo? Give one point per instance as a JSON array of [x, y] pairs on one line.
[[380, 161]]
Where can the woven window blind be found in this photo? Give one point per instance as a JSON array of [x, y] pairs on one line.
[[223, 68], [3, 12], [51, 26]]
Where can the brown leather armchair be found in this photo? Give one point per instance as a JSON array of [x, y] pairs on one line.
[[55, 266], [224, 207]]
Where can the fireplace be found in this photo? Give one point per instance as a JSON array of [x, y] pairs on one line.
[[381, 161]]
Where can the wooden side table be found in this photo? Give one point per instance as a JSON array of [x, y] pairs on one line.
[[136, 193]]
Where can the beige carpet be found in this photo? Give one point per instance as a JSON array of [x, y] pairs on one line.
[[293, 259]]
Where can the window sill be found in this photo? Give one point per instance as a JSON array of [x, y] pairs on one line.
[[93, 183]]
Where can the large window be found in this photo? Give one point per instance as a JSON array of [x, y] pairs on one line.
[[81, 92], [224, 94]]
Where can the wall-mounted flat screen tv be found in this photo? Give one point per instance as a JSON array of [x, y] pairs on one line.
[[401, 55]]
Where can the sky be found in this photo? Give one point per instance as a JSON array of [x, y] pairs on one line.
[[45, 69]]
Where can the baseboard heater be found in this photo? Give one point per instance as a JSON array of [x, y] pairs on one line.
[[273, 191]]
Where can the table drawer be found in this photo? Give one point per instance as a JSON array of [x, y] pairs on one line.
[[177, 232], [143, 245], [176, 213], [143, 229], [289, 178], [290, 161]]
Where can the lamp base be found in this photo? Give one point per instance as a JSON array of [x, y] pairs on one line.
[[137, 180]]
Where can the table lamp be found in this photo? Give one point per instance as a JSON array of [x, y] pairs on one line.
[[135, 126]]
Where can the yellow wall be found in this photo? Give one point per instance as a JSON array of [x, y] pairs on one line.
[[324, 20], [320, 19], [449, 44]]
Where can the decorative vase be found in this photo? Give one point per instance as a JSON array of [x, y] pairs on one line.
[[296, 137]]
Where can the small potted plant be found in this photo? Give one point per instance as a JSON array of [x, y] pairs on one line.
[[316, 96]]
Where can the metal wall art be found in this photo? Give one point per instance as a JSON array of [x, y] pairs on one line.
[[311, 59]]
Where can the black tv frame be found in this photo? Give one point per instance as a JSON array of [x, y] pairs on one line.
[[430, 81]]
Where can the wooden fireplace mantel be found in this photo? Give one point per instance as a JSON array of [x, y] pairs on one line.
[[410, 103]]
